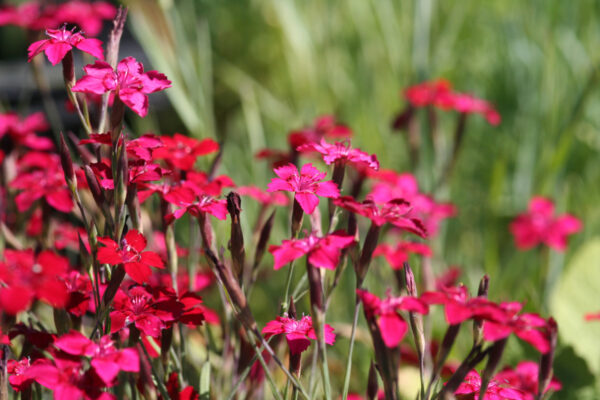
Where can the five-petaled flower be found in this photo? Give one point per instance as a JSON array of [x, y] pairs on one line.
[[341, 152], [61, 42], [322, 251], [297, 332], [193, 203], [130, 252], [129, 82], [397, 255], [539, 225], [496, 389], [306, 185], [180, 151], [526, 378]]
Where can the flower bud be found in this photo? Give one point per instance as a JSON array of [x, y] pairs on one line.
[[67, 164], [236, 241], [372, 384], [367, 253], [547, 359], [68, 70], [495, 354], [263, 239], [297, 214], [484, 285]]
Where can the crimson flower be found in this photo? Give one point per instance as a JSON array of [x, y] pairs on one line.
[[322, 252], [305, 184], [398, 255], [392, 326], [297, 332], [341, 152], [130, 253], [138, 307], [496, 390], [459, 307], [194, 203], [80, 289], [18, 374], [106, 359], [40, 176], [394, 212], [61, 42], [323, 126], [427, 93], [23, 131], [528, 327], [129, 82], [140, 148], [539, 225], [180, 151], [526, 378], [200, 182], [25, 277], [173, 389]]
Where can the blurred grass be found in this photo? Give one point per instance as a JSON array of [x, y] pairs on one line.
[[253, 70]]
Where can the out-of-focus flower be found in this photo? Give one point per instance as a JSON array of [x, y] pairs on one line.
[[386, 313], [173, 389], [322, 252], [297, 332], [130, 252], [525, 377], [25, 277], [23, 131], [129, 82], [195, 204], [265, 198], [395, 212], [398, 255], [180, 151], [539, 225], [496, 389], [341, 152], [61, 42], [427, 93], [324, 126], [17, 371]]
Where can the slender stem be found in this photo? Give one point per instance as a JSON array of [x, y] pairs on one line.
[[288, 283], [350, 350], [159, 382]]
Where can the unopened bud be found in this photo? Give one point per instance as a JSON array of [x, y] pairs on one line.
[[367, 253], [403, 119], [297, 214], [495, 354], [372, 384], [68, 70], [482, 292], [292, 309], [236, 241], [67, 164], [547, 359], [315, 287], [263, 239]]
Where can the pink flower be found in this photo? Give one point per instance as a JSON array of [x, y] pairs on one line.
[[297, 332], [341, 152], [130, 253], [25, 277], [195, 204], [306, 185], [61, 42], [87, 15], [322, 252], [392, 326], [18, 374], [592, 316], [180, 151], [23, 131], [106, 359], [427, 93], [459, 307], [525, 377], [496, 390], [539, 225], [25, 15], [129, 82], [323, 126], [394, 212], [398, 255]]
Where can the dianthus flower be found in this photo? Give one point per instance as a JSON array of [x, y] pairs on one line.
[[398, 255], [194, 203], [395, 212], [180, 151], [459, 307], [525, 377], [297, 332], [496, 390], [25, 277], [306, 185], [265, 198], [130, 252], [23, 131], [427, 93], [385, 312], [129, 82], [539, 225], [322, 252], [61, 42], [341, 152], [324, 126]]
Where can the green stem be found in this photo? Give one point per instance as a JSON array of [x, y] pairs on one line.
[[350, 350]]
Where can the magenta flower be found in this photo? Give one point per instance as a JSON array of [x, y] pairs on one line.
[[398, 255], [129, 82], [306, 185], [427, 93], [322, 252], [539, 225], [180, 151], [341, 152], [61, 42], [297, 332], [496, 390], [394, 212], [526, 378], [265, 198], [194, 204], [23, 131], [130, 252], [392, 326], [106, 359]]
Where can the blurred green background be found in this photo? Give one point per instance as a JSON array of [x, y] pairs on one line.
[[247, 72]]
